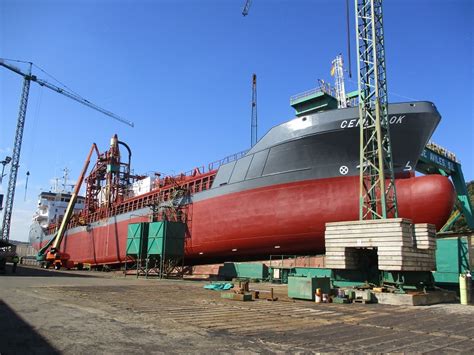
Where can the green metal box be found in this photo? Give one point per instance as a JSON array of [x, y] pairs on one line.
[[452, 259], [252, 270], [258, 271], [166, 238], [305, 287], [137, 239]]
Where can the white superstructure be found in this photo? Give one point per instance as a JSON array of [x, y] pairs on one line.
[[52, 206]]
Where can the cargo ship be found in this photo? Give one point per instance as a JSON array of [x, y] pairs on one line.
[[272, 199]]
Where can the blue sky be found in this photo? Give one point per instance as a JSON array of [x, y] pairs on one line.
[[181, 70]]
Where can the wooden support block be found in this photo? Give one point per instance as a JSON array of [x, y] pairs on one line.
[[237, 296]]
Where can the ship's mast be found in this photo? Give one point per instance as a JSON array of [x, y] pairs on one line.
[[65, 177], [337, 71]]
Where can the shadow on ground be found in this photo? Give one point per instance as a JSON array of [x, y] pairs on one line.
[[32, 271], [18, 337]]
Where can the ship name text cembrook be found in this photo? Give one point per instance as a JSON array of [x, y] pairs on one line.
[[355, 121]]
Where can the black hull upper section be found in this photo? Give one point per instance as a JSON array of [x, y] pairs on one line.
[[324, 145]]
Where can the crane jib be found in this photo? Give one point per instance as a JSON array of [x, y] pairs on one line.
[[59, 90]]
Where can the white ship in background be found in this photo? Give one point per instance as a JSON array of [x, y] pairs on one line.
[[52, 204]]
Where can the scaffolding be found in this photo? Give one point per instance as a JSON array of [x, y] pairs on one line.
[[377, 197]]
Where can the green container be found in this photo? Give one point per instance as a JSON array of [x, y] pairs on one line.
[[252, 270], [339, 278], [452, 259], [313, 272], [305, 287], [137, 239], [256, 271], [166, 238]]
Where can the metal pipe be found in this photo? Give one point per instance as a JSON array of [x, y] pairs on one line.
[[129, 154]]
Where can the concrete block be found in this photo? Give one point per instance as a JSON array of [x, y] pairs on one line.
[[400, 245], [419, 299]]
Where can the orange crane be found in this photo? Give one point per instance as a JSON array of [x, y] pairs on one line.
[[54, 256]]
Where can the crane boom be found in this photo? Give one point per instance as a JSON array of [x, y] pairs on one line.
[[245, 10], [69, 94], [28, 78]]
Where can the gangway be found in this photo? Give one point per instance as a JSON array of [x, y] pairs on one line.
[[437, 160]]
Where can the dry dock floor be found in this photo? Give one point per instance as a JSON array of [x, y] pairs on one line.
[[91, 312]]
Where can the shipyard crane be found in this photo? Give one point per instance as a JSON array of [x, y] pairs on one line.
[[378, 198], [15, 163]]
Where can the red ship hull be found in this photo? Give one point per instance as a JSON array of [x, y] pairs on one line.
[[279, 219]]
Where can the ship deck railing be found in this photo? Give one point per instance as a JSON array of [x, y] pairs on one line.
[[203, 169], [202, 180], [218, 163], [323, 87]]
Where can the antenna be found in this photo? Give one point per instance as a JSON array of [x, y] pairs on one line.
[[65, 176]]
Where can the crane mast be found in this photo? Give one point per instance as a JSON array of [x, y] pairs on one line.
[[15, 162], [253, 123], [7, 214], [377, 197]]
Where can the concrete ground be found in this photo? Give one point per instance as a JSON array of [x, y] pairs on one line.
[[90, 312]]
